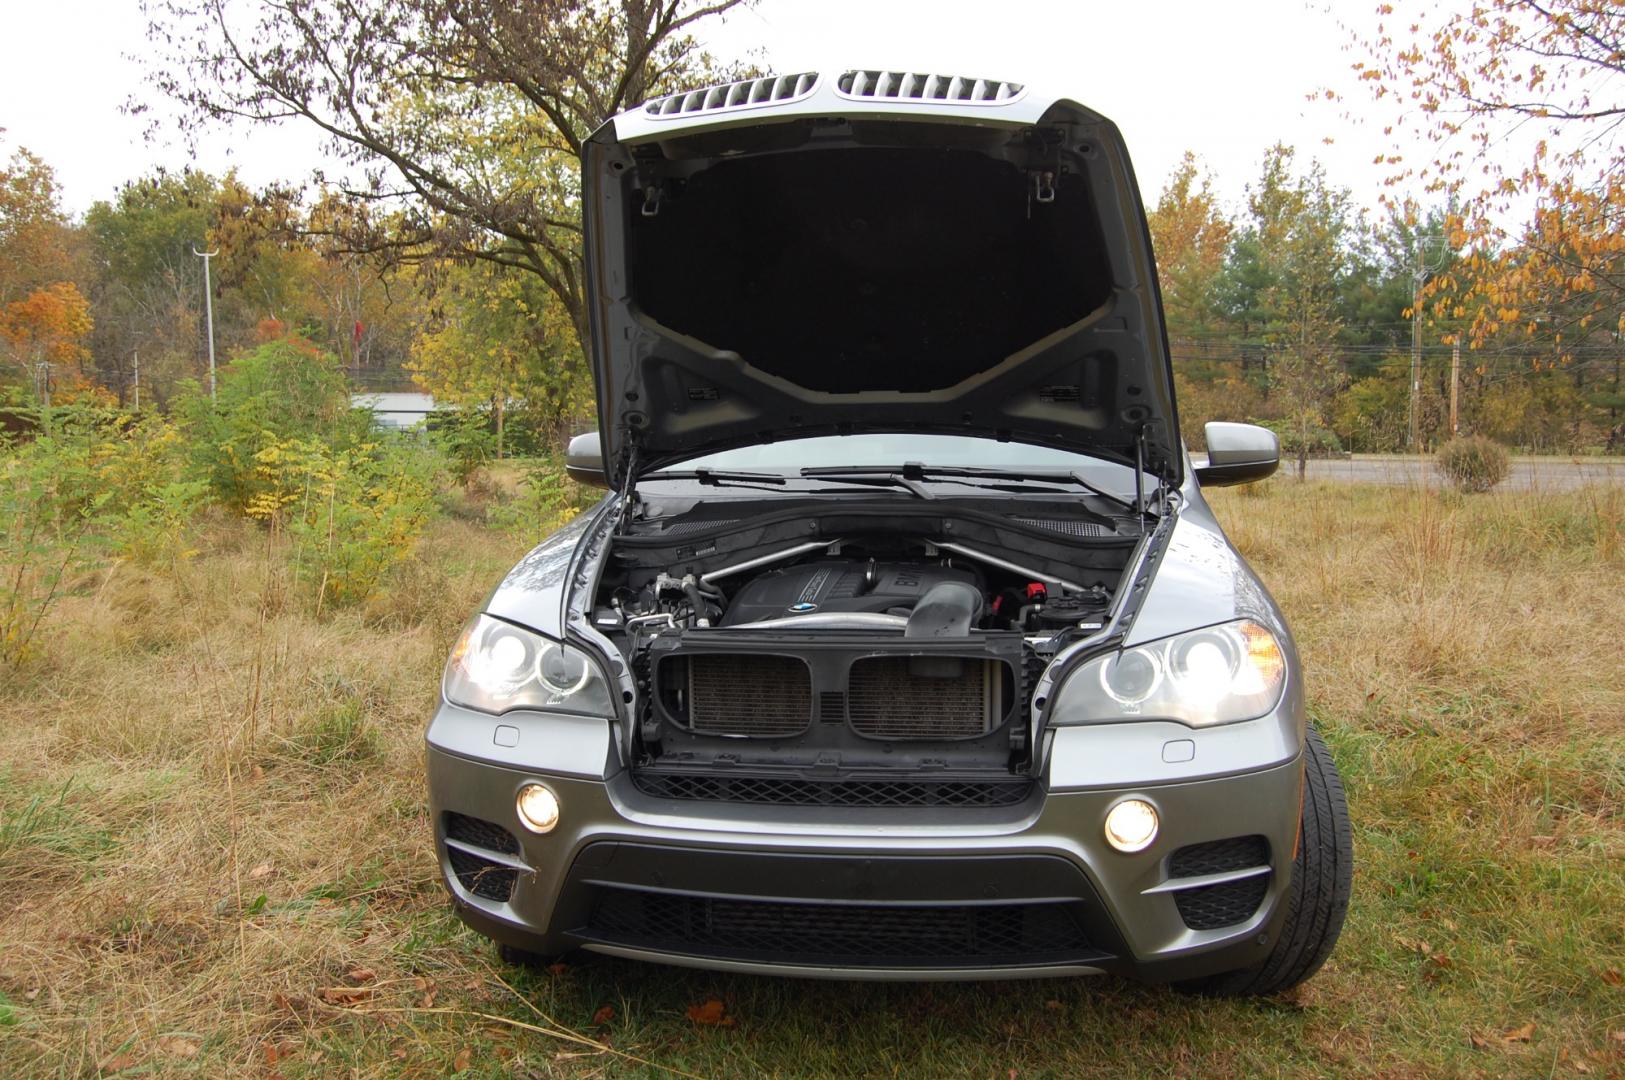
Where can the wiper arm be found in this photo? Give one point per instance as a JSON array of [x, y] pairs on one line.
[[714, 477], [913, 470], [846, 474]]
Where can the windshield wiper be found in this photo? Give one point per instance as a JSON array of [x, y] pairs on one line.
[[714, 477], [915, 471]]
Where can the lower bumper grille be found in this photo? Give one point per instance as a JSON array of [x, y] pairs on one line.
[[797, 792], [840, 934]]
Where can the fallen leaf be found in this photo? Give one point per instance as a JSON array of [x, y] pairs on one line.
[[177, 1046], [1520, 1034], [421, 984], [427, 1001], [346, 995], [604, 1015], [1478, 1041], [557, 969], [361, 974], [1611, 977], [710, 1013], [1052, 1004], [117, 1063], [464, 1058], [272, 1054], [262, 870], [34, 993]]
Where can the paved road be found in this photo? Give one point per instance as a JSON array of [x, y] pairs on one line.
[[1528, 474]]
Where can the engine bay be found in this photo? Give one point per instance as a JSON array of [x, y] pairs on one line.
[[846, 646]]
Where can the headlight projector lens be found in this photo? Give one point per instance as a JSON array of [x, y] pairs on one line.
[[538, 808], [1131, 825]]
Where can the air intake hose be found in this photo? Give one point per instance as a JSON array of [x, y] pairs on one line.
[[947, 611]]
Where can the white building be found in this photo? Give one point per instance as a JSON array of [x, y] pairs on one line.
[[395, 411]]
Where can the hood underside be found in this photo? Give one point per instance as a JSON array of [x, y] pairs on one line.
[[833, 266]]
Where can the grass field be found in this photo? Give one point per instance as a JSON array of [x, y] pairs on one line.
[[215, 859]]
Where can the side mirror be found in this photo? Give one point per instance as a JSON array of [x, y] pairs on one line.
[[584, 460], [1238, 454]]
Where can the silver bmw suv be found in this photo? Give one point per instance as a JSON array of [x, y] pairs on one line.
[[903, 644]]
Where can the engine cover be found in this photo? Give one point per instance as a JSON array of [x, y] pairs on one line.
[[839, 585]]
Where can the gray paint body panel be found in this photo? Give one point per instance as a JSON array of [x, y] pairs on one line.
[[1063, 823]]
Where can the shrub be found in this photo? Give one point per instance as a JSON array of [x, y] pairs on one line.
[[463, 436], [1472, 462], [281, 391], [353, 513], [48, 500], [546, 500]]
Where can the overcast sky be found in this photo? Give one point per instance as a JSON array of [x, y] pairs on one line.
[[1224, 80]]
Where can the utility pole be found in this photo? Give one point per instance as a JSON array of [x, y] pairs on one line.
[[137, 354], [208, 307], [1455, 382]]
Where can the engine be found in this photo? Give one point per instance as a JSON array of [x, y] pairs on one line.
[[924, 597], [840, 586]]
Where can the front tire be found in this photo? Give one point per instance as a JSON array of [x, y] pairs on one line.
[[1317, 899]]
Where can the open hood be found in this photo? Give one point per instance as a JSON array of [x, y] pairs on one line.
[[871, 251]]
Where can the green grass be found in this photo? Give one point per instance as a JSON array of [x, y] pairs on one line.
[[217, 856]]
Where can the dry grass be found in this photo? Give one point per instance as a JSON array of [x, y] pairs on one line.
[[211, 812]]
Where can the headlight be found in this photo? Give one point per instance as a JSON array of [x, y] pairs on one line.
[[1215, 675], [497, 666]]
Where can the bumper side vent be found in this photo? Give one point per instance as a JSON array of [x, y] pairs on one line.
[[1225, 903], [483, 877], [771, 89], [479, 833], [1212, 906], [916, 86], [1218, 856]]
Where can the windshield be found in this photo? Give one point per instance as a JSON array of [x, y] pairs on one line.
[[891, 450]]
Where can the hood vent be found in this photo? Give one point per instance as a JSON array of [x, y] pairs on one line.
[[913, 86], [770, 90]]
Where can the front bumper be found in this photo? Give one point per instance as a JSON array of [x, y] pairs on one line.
[[871, 892]]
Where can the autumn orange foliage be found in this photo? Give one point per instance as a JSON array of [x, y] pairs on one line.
[[48, 325]]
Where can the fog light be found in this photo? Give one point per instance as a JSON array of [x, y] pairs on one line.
[[538, 808], [1131, 825]]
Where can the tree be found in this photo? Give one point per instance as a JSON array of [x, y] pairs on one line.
[[46, 330], [33, 249], [1191, 236], [1525, 103], [503, 341], [1302, 229], [465, 118]]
